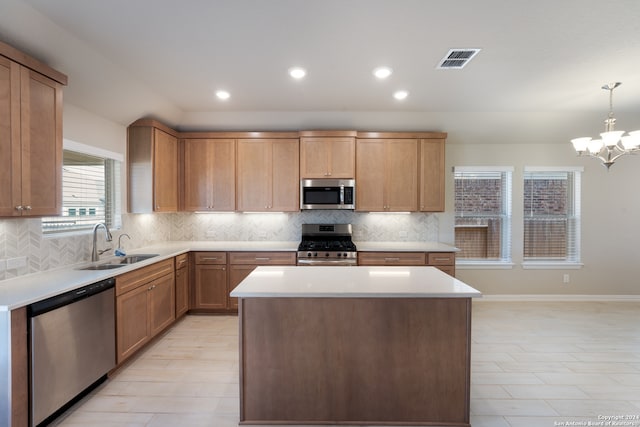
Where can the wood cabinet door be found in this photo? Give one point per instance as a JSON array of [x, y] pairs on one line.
[[209, 174], [342, 160], [165, 172], [162, 305], [132, 323], [211, 286], [254, 175], [401, 175], [237, 273], [314, 157], [432, 175], [370, 177], [41, 144], [285, 195], [327, 157], [10, 175], [182, 291]]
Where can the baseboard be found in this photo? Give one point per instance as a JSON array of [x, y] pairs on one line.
[[551, 298]]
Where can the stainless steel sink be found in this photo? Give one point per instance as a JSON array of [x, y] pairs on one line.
[[132, 259], [117, 263], [102, 267]]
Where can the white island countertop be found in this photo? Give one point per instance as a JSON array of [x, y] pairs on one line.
[[352, 282]]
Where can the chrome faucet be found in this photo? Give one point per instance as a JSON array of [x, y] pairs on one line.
[[95, 256]]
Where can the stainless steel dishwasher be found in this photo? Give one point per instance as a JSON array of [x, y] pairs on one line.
[[72, 347]]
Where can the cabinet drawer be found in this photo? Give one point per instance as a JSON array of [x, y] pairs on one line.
[[181, 261], [391, 258], [132, 280], [441, 258], [211, 257], [263, 258]]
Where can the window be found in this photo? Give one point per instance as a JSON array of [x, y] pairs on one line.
[[552, 214], [483, 214], [90, 190]]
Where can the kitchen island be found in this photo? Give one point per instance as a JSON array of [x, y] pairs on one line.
[[354, 345]]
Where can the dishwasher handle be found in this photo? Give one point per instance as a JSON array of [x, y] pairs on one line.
[[66, 298]]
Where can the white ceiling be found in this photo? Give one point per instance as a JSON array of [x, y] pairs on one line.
[[165, 58]]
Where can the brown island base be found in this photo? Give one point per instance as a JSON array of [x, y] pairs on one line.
[[381, 345]]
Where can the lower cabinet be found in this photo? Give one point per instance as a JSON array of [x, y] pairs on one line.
[[445, 261], [243, 263], [182, 285], [216, 274], [145, 305], [210, 281]]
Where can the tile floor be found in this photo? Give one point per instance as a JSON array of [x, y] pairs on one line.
[[533, 364]]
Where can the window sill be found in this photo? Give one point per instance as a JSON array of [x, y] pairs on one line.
[[484, 265], [551, 265]]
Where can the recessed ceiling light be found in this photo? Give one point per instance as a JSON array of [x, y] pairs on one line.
[[400, 94], [382, 72], [297, 72], [223, 94]]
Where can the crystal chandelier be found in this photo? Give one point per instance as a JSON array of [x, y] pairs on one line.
[[612, 144]]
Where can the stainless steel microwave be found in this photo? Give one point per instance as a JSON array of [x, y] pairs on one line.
[[327, 194]]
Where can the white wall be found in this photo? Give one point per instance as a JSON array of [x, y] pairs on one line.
[[610, 226]]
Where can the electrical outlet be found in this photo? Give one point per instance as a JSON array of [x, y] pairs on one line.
[[566, 278], [16, 262]]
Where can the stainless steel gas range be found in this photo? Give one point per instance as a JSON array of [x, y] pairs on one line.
[[327, 244]]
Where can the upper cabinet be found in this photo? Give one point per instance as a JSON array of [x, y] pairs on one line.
[[152, 167], [261, 171], [327, 154], [387, 175], [400, 171], [30, 136], [431, 175], [209, 174], [267, 175]]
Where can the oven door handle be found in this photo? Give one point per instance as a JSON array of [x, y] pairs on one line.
[[312, 262]]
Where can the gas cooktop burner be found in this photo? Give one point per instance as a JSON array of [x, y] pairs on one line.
[[332, 245], [327, 244]]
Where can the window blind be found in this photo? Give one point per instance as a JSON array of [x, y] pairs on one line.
[[483, 213], [90, 193], [551, 214]]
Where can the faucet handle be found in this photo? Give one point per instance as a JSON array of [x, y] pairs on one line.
[[120, 239]]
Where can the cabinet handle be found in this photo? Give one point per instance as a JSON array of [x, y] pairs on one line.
[[392, 259], [209, 258], [442, 259], [263, 259], [19, 208]]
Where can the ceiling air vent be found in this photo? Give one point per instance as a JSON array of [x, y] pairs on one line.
[[457, 58]]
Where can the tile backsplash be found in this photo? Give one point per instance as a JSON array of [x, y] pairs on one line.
[[24, 249]]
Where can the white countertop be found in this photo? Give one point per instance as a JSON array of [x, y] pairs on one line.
[[27, 289], [352, 282]]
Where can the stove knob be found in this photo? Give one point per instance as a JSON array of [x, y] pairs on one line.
[[344, 254], [308, 254], [339, 254], [327, 254], [315, 254]]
